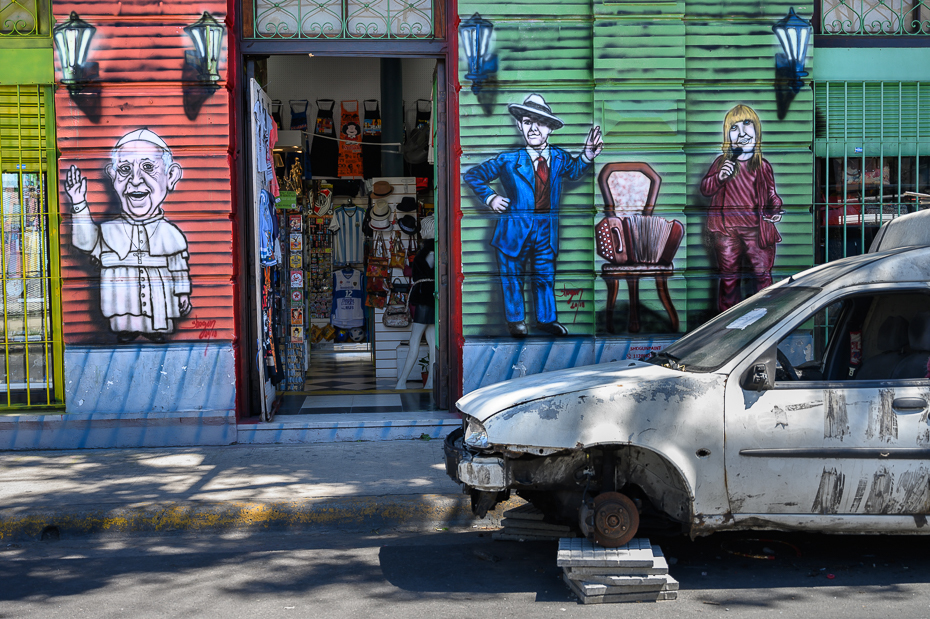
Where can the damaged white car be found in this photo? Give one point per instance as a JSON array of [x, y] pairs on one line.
[[803, 408]]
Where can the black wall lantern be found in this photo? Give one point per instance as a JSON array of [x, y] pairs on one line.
[[794, 34], [475, 33], [207, 35], [72, 39], [202, 64]]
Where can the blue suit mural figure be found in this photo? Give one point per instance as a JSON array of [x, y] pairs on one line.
[[527, 233]]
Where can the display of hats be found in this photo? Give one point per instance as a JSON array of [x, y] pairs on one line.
[[428, 228], [408, 224], [381, 224], [382, 189], [407, 205], [380, 210]]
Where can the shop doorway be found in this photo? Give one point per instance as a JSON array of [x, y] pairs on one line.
[[344, 191]]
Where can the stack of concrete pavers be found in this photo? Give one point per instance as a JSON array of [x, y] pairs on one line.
[[525, 523], [636, 572]]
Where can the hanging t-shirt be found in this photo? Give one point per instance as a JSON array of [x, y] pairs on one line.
[[262, 127], [269, 169], [349, 240], [348, 299], [266, 230]]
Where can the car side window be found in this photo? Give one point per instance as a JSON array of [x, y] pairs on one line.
[[806, 347], [864, 337]]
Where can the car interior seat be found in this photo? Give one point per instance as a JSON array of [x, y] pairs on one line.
[[914, 364], [890, 350]]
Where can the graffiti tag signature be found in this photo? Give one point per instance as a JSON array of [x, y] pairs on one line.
[[575, 301], [207, 329]]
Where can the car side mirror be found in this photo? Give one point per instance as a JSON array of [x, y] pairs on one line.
[[761, 374]]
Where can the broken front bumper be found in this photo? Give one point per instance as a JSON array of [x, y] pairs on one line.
[[486, 473]]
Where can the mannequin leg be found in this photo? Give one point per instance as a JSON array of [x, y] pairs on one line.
[[431, 342], [416, 332]]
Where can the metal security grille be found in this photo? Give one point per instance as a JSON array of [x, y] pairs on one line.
[[874, 17], [24, 18], [342, 19], [872, 149], [30, 299]]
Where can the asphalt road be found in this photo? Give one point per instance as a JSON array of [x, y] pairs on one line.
[[449, 574]]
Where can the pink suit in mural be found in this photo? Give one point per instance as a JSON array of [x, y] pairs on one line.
[[744, 208], [145, 281]]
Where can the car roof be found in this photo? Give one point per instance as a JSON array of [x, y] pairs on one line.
[[902, 264], [908, 230]]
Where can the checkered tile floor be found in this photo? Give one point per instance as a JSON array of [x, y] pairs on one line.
[[343, 371], [344, 382]]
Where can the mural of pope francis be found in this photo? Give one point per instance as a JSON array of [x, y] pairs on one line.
[[145, 282]]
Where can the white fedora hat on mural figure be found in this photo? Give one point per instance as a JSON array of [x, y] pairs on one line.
[[535, 105]]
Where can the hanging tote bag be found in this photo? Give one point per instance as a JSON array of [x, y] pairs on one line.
[[324, 151], [371, 139], [398, 253], [396, 314]]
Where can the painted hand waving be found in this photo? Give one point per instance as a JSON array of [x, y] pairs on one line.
[[593, 144], [75, 186]]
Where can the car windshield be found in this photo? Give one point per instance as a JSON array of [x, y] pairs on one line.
[[714, 343]]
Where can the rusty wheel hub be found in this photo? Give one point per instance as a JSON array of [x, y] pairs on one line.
[[616, 519]]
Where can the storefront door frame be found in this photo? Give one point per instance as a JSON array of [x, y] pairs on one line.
[[447, 387]]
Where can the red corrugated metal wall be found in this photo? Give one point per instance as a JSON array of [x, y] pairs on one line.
[[140, 48]]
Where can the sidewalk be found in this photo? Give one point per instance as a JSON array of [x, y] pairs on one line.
[[365, 486]]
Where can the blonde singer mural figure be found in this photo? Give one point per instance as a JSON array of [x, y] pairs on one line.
[[144, 272], [744, 207]]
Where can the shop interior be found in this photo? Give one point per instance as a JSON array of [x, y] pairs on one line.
[[348, 263], [856, 194]]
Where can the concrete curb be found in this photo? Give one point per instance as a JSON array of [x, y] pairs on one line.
[[350, 513]]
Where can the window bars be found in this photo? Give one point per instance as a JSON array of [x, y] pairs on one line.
[[875, 17], [30, 297], [24, 18], [872, 161], [343, 19]]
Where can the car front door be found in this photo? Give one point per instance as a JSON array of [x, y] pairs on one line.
[[843, 428]]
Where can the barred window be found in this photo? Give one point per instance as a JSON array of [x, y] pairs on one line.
[[872, 148], [880, 17]]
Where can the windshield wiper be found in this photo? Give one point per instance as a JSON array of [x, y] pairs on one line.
[[665, 359]]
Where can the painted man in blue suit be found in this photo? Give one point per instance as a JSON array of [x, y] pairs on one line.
[[527, 233]]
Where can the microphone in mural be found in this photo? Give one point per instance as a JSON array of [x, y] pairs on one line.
[[145, 281], [744, 207], [526, 236]]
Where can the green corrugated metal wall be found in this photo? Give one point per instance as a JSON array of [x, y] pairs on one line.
[[658, 77]]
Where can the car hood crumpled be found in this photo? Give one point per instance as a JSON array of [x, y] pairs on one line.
[[488, 401]]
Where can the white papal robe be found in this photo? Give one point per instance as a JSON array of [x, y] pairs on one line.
[[143, 268]]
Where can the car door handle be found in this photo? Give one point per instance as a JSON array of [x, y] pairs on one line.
[[909, 405]]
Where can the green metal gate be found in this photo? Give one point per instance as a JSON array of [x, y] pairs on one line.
[[872, 160], [30, 284]]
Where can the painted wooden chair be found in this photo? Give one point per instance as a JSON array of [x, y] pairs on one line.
[[635, 243]]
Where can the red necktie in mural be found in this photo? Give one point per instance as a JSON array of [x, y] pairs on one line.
[[542, 186]]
